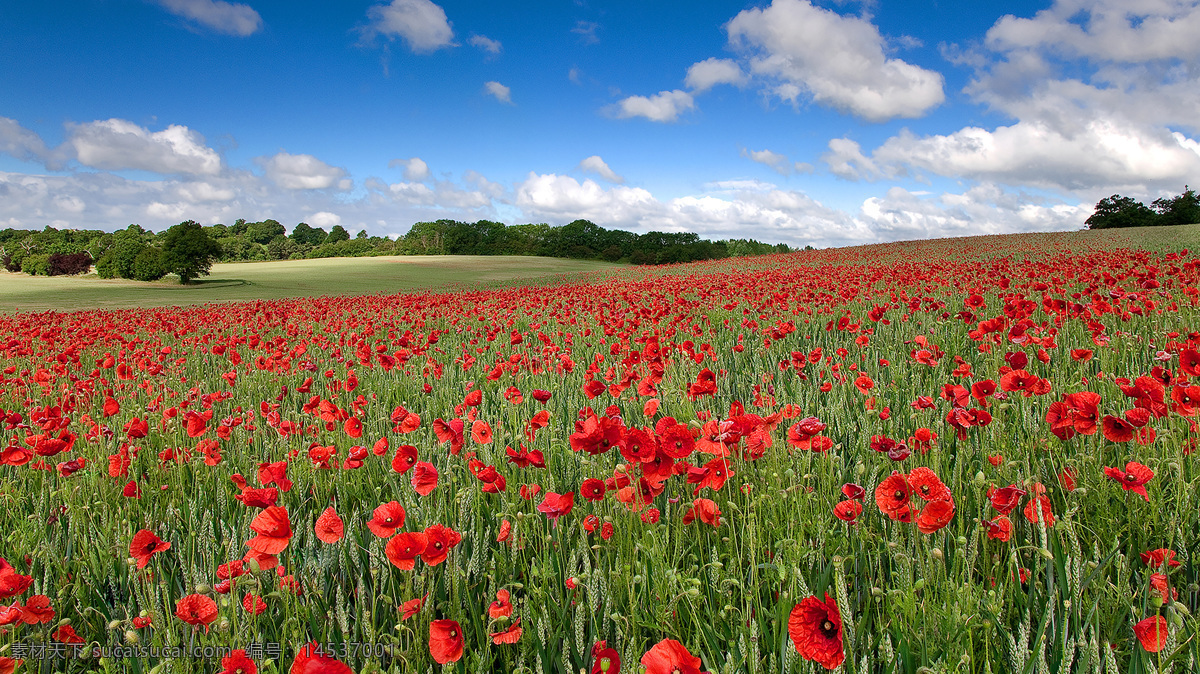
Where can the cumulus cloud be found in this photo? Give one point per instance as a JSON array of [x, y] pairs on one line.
[[421, 23], [984, 209], [1101, 153], [665, 106], [774, 160], [485, 43], [706, 74], [415, 170], [558, 197], [1105, 30], [838, 60], [324, 220], [302, 172], [846, 160], [118, 144], [224, 17], [594, 164], [499, 91], [19, 142]]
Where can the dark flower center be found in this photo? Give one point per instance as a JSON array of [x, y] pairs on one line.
[[828, 629]]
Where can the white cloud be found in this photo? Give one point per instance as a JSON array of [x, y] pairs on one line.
[[846, 160], [983, 209], [1105, 30], [118, 144], [706, 74], [486, 43], [415, 170], [302, 172], [20, 142], [559, 197], [774, 160], [223, 17], [594, 164], [665, 106], [501, 92], [586, 30], [421, 23], [837, 59], [1101, 154], [324, 220]]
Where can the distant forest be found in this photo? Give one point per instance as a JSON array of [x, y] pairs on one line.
[[1118, 211], [71, 251]]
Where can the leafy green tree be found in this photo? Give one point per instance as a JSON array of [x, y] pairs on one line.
[[1119, 211], [1181, 210], [307, 235], [148, 266], [263, 232], [282, 248], [338, 233], [189, 251]]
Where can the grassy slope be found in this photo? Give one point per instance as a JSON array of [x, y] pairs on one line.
[[235, 282]]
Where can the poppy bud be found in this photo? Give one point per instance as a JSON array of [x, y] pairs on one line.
[[980, 480], [114, 624], [131, 637], [202, 588], [937, 555]]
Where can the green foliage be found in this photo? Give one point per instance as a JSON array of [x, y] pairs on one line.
[[1118, 211], [306, 235], [189, 251], [263, 232], [338, 233], [36, 265], [148, 265]]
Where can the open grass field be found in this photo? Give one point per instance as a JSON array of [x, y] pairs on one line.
[[971, 455], [248, 281]]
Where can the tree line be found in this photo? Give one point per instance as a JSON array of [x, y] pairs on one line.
[[189, 249], [1119, 211]]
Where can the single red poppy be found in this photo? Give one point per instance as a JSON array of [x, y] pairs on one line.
[[274, 531], [196, 609], [237, 662], [329, 527], [1152, 633], [439, 541], [404, 548], [146, 544], [386, 519], [510, 635], [816, 630], [445, 641], [311, 659]]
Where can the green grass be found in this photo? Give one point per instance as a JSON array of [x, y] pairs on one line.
[[248, 281]]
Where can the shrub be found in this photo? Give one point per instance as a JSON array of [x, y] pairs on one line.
[[69, 264], [148, 265], [106, 267], [37, 265]]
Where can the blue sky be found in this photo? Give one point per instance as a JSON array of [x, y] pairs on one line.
[[824, 122]]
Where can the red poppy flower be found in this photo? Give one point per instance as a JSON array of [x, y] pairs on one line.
[[892, 497], [816, 631], [540, 395], [439, 541], [704, 510], [670, 657], [237, 662], [605, 660], [196, 609], [554, 506], [505, 531], [1041, 503], [253, 604], [926, 484], [510, 635], [405, 458], [386, 519], [1005, 499], [999, 528], [425, 478], [146, 544], [329, 527], [311, 659], [445, 641], [411, 607], [935, 515], [1153, 633], [37, 610], [274, 531], [1156, 558], [848, 510], [1133, 478], [11, 582], [502, 607], [65, 634], [276, 474], [404, 548], [592, 489]]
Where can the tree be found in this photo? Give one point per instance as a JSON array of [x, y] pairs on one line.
[[1181, 210], [1119, 211], [338, 233], [307, 235], [148, 266], [189, 251]]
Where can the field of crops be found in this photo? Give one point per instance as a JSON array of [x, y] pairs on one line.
[[970, 455]]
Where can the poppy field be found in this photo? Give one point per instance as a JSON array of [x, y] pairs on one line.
[[961, 455]]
